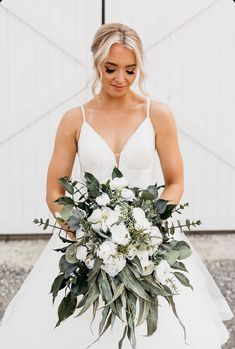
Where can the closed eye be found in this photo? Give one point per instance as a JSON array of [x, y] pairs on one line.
[[110, 71]]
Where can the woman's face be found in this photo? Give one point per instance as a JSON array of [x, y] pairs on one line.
[[118, 70]]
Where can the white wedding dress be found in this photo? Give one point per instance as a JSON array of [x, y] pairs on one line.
[[30, 318]]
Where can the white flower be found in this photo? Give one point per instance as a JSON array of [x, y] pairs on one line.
[[103, 199], [114, 265], [106, 250], [79, 233], [96, 216], [81, 253], [142, 224], [103, 218], [127, 194], [118, 183], [156, 235], [120, 234], [132, 251], [138, 213], [162, 271], [89, 262], [146, 264]]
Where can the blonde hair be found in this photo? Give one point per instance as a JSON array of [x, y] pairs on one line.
[[105, 37]]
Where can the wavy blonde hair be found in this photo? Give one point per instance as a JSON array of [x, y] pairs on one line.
[[105, 37]]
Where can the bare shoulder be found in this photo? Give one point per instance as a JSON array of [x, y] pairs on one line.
[[161, 116], [71, 121]]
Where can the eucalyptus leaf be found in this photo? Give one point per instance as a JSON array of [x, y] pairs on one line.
[[172, 256], [64, 200], [66, 212], [185, 252], [57, 285], [66, 183], [65, 267], [160, 205], [116, 173], [70, 253], [66, 307], [183, 279]]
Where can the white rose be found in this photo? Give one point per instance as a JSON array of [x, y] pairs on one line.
[[81, 253], [120, 234], [142, 224], [103, 199], [103, 218], [127, 194], [132, 251], [118, 183], [89, 262], [79, 233], [111, 216], [106, 250], [138, 214], [156, 235], [114, 265], [96, 216], [162, 271]]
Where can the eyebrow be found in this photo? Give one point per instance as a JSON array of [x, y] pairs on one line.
[[129, 65]]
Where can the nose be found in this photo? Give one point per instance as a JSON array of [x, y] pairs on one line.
[[119, 77]]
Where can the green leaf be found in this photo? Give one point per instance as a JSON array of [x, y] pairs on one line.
[[93, 294], [172, 256], [116, 173], [70, 253], [153, 190], [64, 200], [132, 284], [57, 285], [65, 267], [185, 252], [183, 279], [97, 267], [91, 179], [179, 265], [116, 294], [152, 318], [66, 212], [168, 211], [66, 183], [144, 307], [66, 307], [146, 195], [160, 205], [106, 292], [122, 339]]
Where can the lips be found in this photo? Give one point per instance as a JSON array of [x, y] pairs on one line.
[[118, 86]]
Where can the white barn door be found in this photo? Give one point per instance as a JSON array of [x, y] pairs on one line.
[[44, 67], [190, 66]]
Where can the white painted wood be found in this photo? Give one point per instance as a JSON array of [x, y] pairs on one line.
[[45, 68]]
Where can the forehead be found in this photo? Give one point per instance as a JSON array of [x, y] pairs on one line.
[[120, 55]]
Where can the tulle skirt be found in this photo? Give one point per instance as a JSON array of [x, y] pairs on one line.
[[30, 318]]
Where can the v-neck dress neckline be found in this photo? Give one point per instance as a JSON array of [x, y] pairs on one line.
[[117, 163]]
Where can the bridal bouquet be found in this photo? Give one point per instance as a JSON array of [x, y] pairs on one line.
[[123, 253]]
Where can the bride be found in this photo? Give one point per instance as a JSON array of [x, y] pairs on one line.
[[117, 127]]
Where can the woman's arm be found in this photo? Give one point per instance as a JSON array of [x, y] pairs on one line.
[[168, 150], [62, 160]]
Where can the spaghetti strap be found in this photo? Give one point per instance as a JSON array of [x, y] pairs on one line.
[[148, 106], [83, 113]]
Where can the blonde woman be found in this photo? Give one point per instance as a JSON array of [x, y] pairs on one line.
[[117, 127]]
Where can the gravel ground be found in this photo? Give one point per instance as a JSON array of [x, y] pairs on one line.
[[215, 250]]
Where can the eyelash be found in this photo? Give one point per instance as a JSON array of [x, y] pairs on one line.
[[110, 71]]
